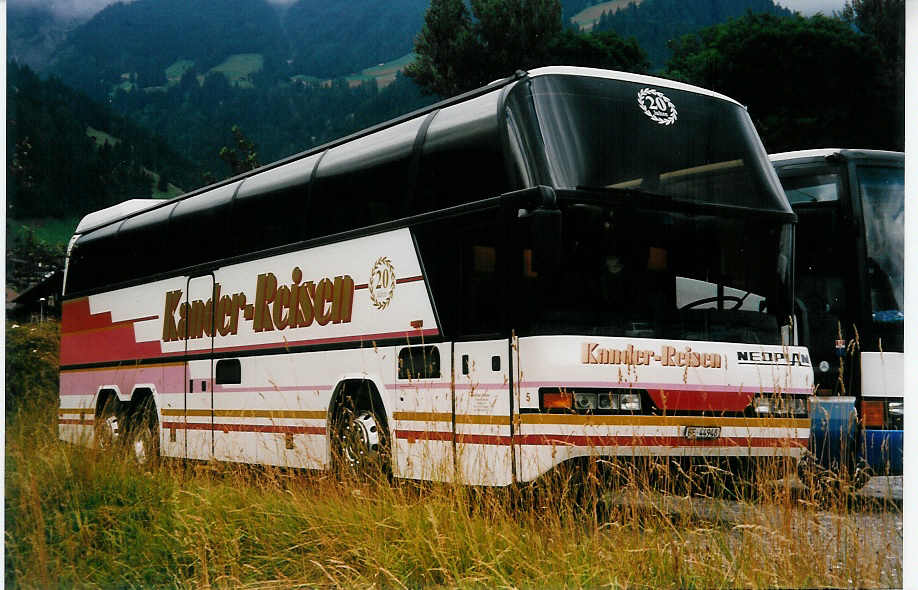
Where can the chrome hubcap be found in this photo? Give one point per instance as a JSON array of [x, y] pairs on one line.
[[360, 438]]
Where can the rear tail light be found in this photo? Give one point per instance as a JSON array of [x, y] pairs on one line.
[[872, 414], [561, 400]]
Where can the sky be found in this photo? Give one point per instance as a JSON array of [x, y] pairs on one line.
[[86, 8]]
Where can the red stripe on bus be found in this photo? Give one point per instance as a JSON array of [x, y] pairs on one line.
[[600, 441], [478, 439], [77, 317], [77, 349], [413, 435], [272, 428], [675, 399], [653, 441], [674, 387], [397, 282], [75, 421]]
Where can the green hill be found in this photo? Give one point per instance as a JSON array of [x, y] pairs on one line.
[[68, 155]]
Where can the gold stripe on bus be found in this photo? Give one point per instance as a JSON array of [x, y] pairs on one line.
[[301, 414], [447, 417], [581, 420], [124, 367], [76, 411]]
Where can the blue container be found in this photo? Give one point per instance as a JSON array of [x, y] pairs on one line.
[[833, 431], [882, 450]]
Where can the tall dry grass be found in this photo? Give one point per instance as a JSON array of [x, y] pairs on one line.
[[79, 518]]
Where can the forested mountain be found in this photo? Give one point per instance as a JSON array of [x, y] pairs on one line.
[[656, 22], [68, 155], [330, 39], [34, 32], [137, 42], [150, 43], [282, 118]]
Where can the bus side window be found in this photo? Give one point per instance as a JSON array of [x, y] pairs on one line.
[[270, 209], [365, 181], [461, 159], [228, 372], [419, 362]]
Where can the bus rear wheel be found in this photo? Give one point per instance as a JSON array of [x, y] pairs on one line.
[[143, 438], [360, 441], [108, 425]]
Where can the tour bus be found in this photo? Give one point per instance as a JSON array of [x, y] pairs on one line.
[[567, 263], [850, 206]]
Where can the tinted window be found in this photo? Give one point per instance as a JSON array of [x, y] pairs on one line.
[[613, 134], [97, 259], [365, 181], [883, 201], [198, 227], [228, 372], [462, 160], [462, 260], [419, 362], [812, 188], [145, 236], [270, 208]]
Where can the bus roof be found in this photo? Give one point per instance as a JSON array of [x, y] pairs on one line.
[[815, 154], [127, 209]]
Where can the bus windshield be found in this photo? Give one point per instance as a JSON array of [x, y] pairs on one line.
[[654, 273], [589, 132], [883, 200]]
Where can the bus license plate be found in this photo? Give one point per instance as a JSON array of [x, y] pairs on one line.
[[702, 432]]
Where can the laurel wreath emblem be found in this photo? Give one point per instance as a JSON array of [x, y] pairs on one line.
[[382, 283], [657, 106]]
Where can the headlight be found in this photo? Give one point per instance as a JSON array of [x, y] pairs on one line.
[[762, 405], [591, 401], [895, 408], [781, 406], [584, 401], [631, 401]]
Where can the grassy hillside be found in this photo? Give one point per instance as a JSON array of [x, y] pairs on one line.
[[589, 17], [79, 518]]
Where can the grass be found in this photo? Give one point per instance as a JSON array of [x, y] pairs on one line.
[[77, 517], [50, 230], [101, 137], [178, 68], [239, 67], [588, 17]]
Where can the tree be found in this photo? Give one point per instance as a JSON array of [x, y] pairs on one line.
[[243, 157], [458, 51], [884, 22], [445, 49], [808, 82]]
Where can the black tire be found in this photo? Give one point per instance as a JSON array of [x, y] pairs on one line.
[[360, 436], [143, 434], [108, 424]]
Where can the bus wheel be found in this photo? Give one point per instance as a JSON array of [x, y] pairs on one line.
[[144, 436], [108, 425], [360, 441]]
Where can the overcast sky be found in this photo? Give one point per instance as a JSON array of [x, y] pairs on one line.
[[86, 8]]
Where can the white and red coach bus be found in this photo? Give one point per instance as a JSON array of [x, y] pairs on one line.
[[566, 263]]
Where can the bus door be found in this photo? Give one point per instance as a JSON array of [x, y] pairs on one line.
[[482, 383], [424, 413], [825, 261], [199, 343]]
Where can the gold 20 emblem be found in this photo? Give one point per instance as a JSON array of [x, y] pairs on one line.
[[382, 283]]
